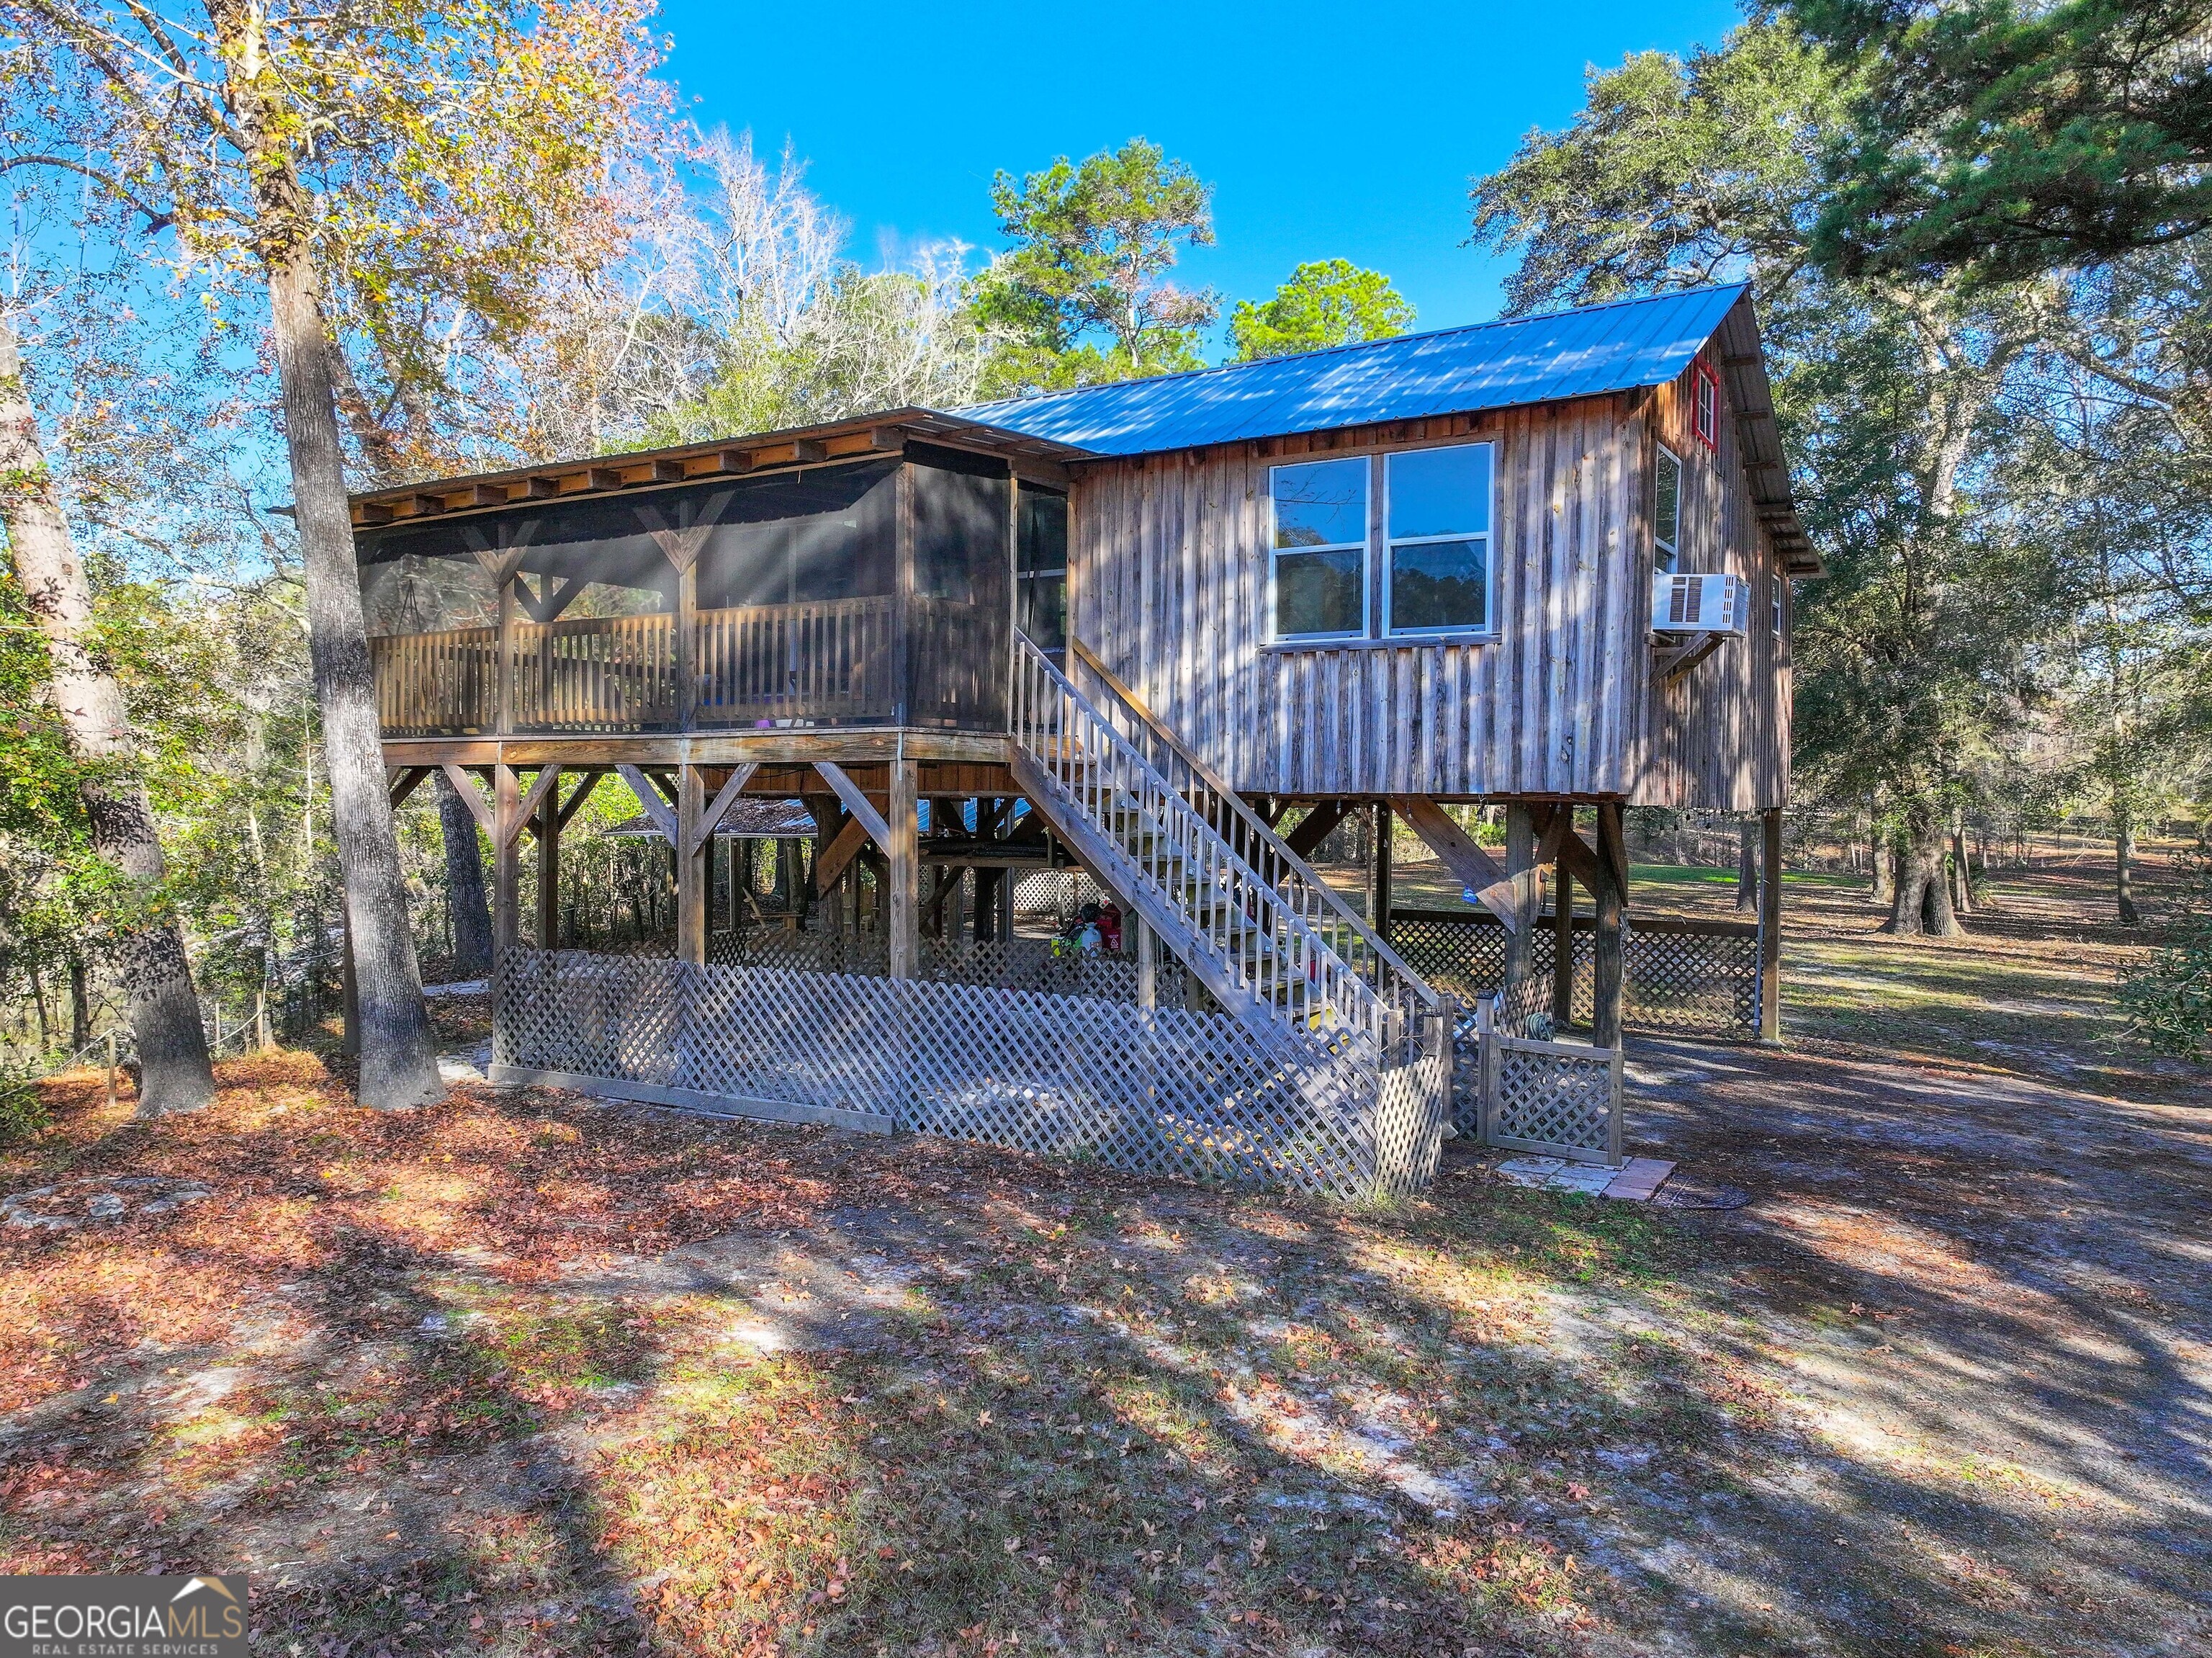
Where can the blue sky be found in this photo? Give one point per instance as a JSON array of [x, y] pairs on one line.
[[1326, 131]]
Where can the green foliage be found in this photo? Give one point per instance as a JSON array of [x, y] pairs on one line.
[[1912, 662], [22, 1112], [217, 684], [1674, 173], [1326, 303], [2005, 138], [1082, 295], [1911, 656], [2169, 997]]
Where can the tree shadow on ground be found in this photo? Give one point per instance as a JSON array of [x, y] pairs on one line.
[[526, 1374]]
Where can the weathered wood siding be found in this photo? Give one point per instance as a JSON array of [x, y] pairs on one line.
[[1167, 582], [1718, 737]]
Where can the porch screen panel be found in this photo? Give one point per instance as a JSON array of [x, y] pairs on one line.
[[797, 592], [960, 628], [432, 619]]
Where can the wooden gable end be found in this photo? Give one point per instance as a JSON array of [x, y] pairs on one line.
[[1718, 736]]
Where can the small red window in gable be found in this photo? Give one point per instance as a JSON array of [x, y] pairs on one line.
[[1708, 395]]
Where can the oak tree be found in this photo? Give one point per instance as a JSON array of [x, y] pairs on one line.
[[398, 143]]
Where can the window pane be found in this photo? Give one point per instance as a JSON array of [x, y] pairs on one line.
[[1040, 531], [1318, 592], [1042, 601], [414, 593], [1437, 584], [1667, 508], [1440, 491], [1321, 504]]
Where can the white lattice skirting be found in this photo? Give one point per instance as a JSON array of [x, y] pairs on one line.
[[1157, 1091]]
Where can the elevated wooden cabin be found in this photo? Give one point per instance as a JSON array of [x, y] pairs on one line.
[[1546, 562]]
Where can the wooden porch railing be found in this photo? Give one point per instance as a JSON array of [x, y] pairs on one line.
[[829, 659], [437, 684], [596, 673]]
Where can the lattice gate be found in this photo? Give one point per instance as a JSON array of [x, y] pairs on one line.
[[1558, 1098], [1203, 1095]]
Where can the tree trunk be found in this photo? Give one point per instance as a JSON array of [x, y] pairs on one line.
[[1921, 902], [2124, 860], [399, 1062], [1883, 892], [469, 910], [1962, 873], [80, 1005], [165, 1013], [46, 1020], [1746, 865]]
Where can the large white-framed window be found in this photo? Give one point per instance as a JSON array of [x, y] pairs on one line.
[[1666, 509], [1317, 561], [1437, 571]]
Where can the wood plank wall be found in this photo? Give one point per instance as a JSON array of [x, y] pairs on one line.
[[1719, 737], [1168, 579]]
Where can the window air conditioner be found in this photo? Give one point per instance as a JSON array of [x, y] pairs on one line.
[[1697, 604]]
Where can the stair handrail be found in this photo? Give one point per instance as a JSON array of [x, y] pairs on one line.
[[1299, 962], [1313, 973], [1395, 979]]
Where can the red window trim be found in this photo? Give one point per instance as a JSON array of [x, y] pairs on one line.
[[1703, 378]]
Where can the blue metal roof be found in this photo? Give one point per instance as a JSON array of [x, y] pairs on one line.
[[1491, 365]]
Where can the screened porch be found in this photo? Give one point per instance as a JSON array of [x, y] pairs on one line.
[[880, 592]]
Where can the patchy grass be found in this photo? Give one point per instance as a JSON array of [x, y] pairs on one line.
[[523, 1374]]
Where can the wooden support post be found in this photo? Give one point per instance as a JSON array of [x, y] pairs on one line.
[[1148, 984], [1770, 926], [503, 700], [1523, 894], [549, 870], [691, 867], [1487, 1058], [507, 873], [901, 870], [1563, 943], [687, 618], [1378, 887], [1612, 896]]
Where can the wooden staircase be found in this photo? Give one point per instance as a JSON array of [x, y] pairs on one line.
[[1269, 940]]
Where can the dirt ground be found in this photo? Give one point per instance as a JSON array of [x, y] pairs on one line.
[[525, 1373]]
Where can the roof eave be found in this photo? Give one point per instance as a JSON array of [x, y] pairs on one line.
[[1751, 395], [863, 437]]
